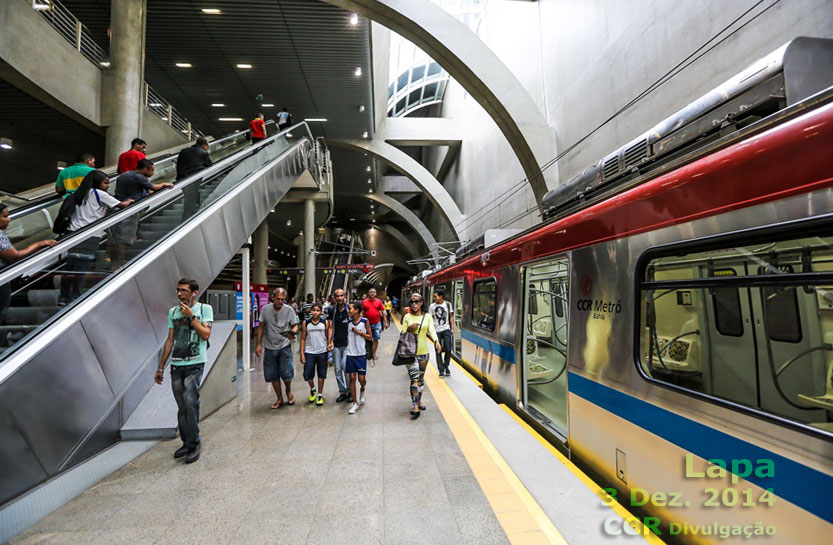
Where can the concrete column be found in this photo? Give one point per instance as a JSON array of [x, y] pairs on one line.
[[121, 95], [261, 252], [309, 242]]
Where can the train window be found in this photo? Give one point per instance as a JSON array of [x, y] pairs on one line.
[[483, 303], [748, 324], [727, 319]]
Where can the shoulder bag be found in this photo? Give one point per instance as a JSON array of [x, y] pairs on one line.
[[406, 348]]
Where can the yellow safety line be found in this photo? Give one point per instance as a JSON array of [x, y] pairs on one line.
[[522, 519], [617, 507]]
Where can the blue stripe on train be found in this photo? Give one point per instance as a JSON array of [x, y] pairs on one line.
[[796, 483], [504, 352]]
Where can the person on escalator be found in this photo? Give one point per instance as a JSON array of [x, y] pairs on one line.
[[190, 161], [71, 177], [131, 185], [258, 128], [284, 120], [9, 254], [91, 204], [129, 159]]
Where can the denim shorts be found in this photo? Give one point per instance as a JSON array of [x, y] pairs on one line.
[[278, 364], [315, 363], [376, 329]]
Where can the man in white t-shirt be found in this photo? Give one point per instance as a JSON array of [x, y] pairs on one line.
[[358, 332], [443, 316]]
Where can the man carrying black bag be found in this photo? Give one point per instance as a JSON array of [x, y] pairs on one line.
[[422, 325]]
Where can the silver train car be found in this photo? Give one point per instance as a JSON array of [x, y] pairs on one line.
[[670, 325]]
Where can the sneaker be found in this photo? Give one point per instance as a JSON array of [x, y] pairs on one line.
[[448, 372], [353, 408], [63, 301], [312, 395], [194, 455], [361, 397], [341, 397], [320, 400], [181, 451], [373, 362]]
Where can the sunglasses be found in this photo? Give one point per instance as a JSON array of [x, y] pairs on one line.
[[416, 302]]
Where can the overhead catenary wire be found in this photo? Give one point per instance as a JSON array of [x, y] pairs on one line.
[[708, 46]]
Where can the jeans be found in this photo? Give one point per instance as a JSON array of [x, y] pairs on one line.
[[445, 342], [185, 383], [339, 361]]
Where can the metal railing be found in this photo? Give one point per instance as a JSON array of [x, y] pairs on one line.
[[74, 31]]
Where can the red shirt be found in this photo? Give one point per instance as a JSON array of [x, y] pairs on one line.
[[373, 310], [258, 128], [129, 159]]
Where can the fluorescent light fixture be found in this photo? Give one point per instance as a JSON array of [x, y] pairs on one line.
[[352, 219], [184, 65], [218, 105], [105, 64], [231, 119], [62, 165], [212, 11], [358, 71], [244, 65], [41, 5], [354, 19], [364, 134], [268, 105], [5, 143], [155, 104], [164, 119], [316, 119]]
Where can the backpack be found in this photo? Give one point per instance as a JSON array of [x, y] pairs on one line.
[[61, 224]]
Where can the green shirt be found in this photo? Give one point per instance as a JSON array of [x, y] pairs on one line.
[[423, 344], [71, 177], [189, 348]]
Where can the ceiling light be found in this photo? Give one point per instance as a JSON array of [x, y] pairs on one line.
[[164, 119], [289, 135], [268, 105], [361, 108], [62, 165], [5, 143], [105, 64], [272, 210], [364, 134], [358, 71], [368, 169], [316, 119], [370, 191], [374, 220], [231, 119], [41, 5], [352, 219], [212, 11], [288, 223], [155, 104], [369, 180], [216, 105], [354, 19], [184, 65], [244, 65]]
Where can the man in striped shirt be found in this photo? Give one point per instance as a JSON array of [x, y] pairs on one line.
[[71, 177]]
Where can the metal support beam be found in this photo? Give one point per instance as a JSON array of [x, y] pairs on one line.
[[309, 247]]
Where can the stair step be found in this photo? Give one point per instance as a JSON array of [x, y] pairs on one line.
[[10, 334], [17, 316]]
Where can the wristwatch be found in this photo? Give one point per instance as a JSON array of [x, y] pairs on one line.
[[192, 317]]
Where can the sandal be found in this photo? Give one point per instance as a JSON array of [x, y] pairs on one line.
[[290, 401], [277, 405]]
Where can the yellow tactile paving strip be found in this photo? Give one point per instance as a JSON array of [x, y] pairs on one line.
[[523, 520]]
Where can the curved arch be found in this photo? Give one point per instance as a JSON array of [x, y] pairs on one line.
[[479, 71], [399, 237], [418, 174], [405, 213]]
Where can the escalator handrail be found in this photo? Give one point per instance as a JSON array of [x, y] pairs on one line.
[[22, 352], [49, 200], [38, 260]]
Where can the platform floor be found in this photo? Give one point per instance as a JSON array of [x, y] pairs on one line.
[[300, 474]]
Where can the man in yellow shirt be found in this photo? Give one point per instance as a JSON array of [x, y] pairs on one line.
[[71, 177]]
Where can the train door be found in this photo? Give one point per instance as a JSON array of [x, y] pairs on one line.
[[544, 369], [457, 305]]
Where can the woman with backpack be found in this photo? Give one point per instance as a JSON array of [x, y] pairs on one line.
[[92, 203], [9, 254], [422, 325]]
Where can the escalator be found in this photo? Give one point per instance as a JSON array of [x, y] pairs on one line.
[[71, 376], [32, 214]]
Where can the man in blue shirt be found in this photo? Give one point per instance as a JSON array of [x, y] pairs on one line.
[[189, 326]]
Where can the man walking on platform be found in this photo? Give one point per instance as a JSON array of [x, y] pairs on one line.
[[338, 319], [279, 325], [443, 316], [358, 333], [189, 326], [374, 311]]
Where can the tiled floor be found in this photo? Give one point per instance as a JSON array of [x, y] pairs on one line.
[[301, 474]]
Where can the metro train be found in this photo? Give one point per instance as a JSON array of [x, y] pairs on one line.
[[669, 325]]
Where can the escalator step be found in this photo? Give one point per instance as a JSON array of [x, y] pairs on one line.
[[18, 316]]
